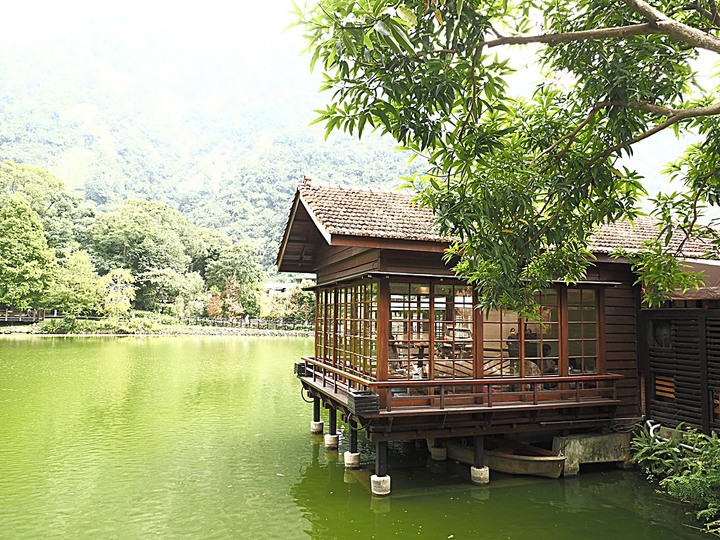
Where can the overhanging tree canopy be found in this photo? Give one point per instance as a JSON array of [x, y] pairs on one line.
[[522, 183]]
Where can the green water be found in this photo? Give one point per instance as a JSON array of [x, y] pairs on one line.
[[208, 437]]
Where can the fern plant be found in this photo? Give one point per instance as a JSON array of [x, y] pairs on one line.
[[688, 467]]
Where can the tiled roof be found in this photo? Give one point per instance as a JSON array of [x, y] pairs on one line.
[[352, 211], [632, 235], [365, 212]]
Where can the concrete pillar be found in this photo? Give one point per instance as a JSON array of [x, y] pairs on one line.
[[437, 453], [380, 481], [479, 473], [352, 460], [592, 448], [316, 425], [331, 441], [380, 485]]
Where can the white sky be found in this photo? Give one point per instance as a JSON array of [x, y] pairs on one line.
[[249, 22], [256, 30]]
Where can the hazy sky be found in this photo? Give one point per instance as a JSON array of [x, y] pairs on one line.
[[249, 34], [240, 21]]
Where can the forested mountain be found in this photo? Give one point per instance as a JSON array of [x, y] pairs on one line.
[[222, 139]]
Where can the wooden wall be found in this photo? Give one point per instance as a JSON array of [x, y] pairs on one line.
[[681, 359], [621, 304], [337, 263]]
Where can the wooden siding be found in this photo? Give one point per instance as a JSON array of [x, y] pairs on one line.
[[620, 304], [338, 263], [712, 347], [413, 262], [682, 349]]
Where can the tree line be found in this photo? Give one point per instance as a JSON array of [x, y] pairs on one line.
[[58, 251]]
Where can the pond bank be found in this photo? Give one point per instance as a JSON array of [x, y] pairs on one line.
[[160, 330]]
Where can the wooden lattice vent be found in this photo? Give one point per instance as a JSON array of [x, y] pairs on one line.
[[665, 387]]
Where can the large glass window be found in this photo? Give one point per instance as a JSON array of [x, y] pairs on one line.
[[507, 338], [453, 325], [501, 344], [409, 337], [346, 330], [430, 331], [582, 331]]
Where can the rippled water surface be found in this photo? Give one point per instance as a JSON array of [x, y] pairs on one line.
[[208, 437]]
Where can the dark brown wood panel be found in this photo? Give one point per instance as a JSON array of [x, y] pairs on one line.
[[621, 336], [414, 263], [337, 263]]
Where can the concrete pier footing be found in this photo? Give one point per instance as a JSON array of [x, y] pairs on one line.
[[317, 428], [437, 453], [332, 441], [480, 475], [592, 448], [352, 460], [380, 485]]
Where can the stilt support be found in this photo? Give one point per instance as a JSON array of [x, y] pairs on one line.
[[479, 473], [352, 457], [332, 439], [380, 481], [316, 425]]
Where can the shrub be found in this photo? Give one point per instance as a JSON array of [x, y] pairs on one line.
[[688, 468]]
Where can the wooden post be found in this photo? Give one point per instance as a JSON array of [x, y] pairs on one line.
[[316, 426], [332, 439], [316, 409], [479, 442], [333, 421], [380, 482], [479, 473], [352, 456], [383, 335], [352, 424], [381, 459]]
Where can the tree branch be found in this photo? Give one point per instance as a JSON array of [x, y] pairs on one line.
[[670, 27], [641, 29], [674, 116], [658, 23], [570, 137]]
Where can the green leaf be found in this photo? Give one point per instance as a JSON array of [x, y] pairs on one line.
[[402, 38], [407, 15]]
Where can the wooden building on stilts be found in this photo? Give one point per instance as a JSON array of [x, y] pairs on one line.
[[401, 351]]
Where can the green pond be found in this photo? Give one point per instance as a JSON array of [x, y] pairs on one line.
[[208, 437]]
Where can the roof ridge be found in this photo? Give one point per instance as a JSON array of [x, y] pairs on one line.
[[310, 183]]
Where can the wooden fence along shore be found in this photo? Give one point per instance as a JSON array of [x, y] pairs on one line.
[[255, 324], [9, 316]]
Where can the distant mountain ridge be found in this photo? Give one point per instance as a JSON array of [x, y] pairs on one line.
[[225, 147]]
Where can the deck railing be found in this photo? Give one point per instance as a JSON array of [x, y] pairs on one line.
[[399, 394]]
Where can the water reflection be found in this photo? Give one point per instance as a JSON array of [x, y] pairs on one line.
[[209, 438], [435, 500]]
